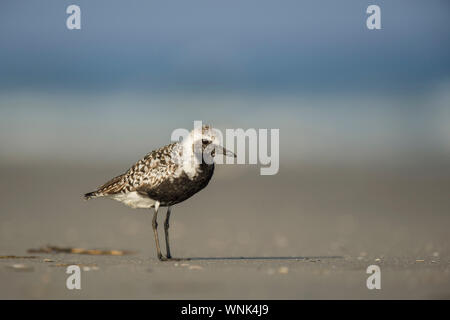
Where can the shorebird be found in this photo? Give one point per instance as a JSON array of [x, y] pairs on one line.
[[165, 177]]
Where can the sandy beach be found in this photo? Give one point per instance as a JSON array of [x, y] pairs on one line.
[[297, 235]]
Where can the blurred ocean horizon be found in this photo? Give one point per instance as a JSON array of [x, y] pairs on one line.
[[234, 45], [119, 127]]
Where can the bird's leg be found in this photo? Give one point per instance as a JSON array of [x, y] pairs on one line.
[[155, 232], [166, 233]]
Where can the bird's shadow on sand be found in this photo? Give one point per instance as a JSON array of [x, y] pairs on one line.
[[262, 258]]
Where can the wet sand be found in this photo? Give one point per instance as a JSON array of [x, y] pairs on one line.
[[306, 233]]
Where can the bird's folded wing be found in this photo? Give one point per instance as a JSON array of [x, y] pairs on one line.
[[155, 168]]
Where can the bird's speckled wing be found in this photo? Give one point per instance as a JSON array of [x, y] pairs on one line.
[[145, 175], [156, 167]]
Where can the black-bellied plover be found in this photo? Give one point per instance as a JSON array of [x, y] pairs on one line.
[[166, 176]]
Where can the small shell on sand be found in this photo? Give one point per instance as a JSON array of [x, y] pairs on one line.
[[20, 267], [195, 267], [283, 270]]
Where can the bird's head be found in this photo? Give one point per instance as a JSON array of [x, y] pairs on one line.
[[206, 142]]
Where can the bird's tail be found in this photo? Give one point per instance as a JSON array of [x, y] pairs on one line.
[[91, 195], [111, 187]]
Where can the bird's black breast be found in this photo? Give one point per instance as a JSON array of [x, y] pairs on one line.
[[176, 190]]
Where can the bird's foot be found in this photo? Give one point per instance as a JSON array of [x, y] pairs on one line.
[[176, 259], [170, 258], [162, 258]]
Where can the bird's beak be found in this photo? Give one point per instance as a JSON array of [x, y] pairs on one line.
[[222, 150]]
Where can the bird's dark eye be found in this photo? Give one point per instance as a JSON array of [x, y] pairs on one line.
[[205, 142]]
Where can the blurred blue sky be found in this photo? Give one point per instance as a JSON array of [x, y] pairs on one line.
[[224, 45]]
